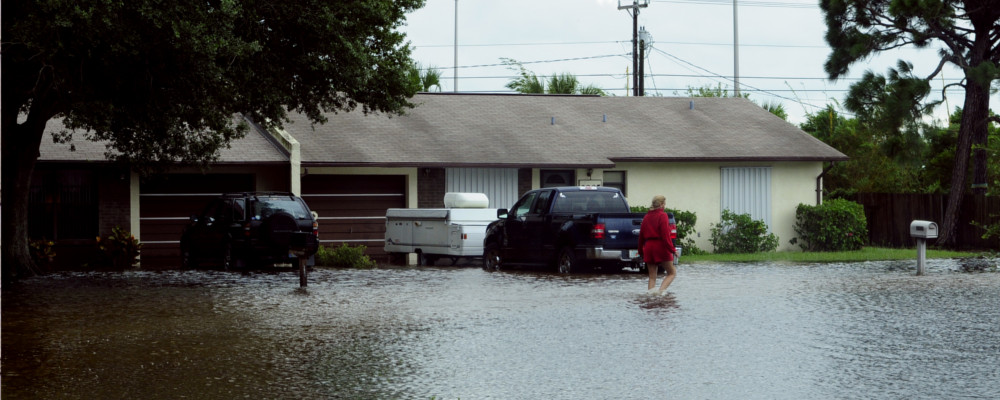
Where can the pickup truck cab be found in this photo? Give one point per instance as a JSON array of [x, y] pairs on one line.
[[570, 228]]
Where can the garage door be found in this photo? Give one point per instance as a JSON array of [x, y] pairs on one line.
[[352, 208], [166, 204]]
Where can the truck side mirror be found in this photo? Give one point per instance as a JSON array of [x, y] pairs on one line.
[[501, 213]]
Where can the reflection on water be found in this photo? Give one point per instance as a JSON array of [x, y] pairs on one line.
[[858, 330]]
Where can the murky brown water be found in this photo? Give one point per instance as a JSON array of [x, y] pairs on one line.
[[867, 330]]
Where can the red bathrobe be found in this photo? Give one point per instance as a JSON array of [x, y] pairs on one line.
[[654, 237]]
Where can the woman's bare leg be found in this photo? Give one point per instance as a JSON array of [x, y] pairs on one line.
[[671, 274], [652, 267]]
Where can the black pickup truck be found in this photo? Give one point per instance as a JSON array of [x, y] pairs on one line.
[[570, 228]]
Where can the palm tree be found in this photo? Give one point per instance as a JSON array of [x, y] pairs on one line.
[[564, 83], [425, 79], [527, 83]]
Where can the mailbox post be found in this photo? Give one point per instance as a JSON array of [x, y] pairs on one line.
[[922, 230]]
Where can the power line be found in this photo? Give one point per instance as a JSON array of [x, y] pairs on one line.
[[715, 75], [538, 61], [774, 4], [797, 46]]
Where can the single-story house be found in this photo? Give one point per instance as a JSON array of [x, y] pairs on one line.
[[703, 154]]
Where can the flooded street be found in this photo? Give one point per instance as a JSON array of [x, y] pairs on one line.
[[748, 331]]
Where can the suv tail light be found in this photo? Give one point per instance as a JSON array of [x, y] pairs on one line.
[[315, 228], [246, 229], [597, 232]]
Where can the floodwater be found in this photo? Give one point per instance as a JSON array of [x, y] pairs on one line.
[[725, 331]]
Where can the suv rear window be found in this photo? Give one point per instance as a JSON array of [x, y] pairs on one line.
[[267, 206]]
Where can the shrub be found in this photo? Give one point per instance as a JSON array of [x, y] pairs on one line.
[[344, 257], [739, 233], [42, 251], [686, 221], [120, 249], [835, 225]]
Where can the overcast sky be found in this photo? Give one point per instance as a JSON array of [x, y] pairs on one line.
[[781, 47]]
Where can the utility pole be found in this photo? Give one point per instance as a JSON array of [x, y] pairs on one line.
[[644, 41], [634, 7]]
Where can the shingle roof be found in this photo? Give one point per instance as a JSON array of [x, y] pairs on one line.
[[255, 147], [548, 130]]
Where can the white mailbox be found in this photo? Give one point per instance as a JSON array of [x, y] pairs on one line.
[[923, 229]]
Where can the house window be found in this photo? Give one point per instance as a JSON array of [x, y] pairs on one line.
[[62, 205], [615, 179], [557, 177]]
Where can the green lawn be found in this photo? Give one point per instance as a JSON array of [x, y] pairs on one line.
[[865, 254]]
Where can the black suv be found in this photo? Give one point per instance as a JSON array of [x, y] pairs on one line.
[[251, 228]]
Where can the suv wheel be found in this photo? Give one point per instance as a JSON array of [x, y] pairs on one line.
[[278, 229]]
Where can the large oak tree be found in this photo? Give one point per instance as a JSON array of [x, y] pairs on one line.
[[161, 81], [968, 35]]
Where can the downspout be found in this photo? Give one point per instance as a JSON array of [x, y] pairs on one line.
[[819, 184], [294, 158]]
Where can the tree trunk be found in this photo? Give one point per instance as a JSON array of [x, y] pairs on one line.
[[20, 153], [974, 116]]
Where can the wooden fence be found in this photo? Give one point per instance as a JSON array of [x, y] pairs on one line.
[[889, 216]]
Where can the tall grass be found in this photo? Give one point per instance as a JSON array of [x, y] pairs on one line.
[[865, 254]]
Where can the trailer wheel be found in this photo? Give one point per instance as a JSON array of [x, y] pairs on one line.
[[492, 260]]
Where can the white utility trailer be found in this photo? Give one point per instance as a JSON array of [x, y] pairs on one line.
[[455, 231]]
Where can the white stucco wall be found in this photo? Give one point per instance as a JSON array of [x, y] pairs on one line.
[[696, 187]]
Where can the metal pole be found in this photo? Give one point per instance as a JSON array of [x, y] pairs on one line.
[[455, 68], [921, 255], [736, 49]]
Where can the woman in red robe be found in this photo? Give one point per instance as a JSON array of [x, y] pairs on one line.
[[655, 246]]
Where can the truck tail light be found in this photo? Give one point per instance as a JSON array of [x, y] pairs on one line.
[[246, 229], [597, 232]]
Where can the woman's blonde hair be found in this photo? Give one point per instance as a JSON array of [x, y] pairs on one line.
[[659, 201]]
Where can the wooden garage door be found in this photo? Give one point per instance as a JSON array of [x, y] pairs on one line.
[[352, 208], [166, 204]]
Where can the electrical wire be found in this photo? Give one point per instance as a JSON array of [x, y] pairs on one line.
[[750, 3]]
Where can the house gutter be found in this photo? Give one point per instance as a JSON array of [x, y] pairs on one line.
[[819, 184], [294, 158]]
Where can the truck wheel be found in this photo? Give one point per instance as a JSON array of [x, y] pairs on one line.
[[227, 256], [188, 260], [567, 261], [492, 259]]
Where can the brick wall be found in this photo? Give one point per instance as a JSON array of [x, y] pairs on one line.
[[430, 188], [113, 208], [523, 180]]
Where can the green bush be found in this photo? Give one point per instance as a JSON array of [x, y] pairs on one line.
[[344, 257], [739, 233], [835, 225], [119, 249], [686, 233]]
